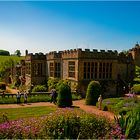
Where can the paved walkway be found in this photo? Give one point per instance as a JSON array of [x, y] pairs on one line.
[[79, 103]]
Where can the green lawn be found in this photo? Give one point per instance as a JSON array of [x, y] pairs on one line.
[[17, 113]]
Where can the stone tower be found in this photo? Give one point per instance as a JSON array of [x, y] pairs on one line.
[[136, 54]]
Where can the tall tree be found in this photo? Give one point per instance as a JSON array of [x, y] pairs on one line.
[[18, 53]]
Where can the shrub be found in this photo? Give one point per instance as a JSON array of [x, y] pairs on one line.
[[52, 83], [30, 99], [76, 97], [64, 95], [75, 124], [39, 88], [2, 86], [136, 88], [93, 92]]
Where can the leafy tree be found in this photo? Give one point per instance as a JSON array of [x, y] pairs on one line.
[[52, 82], [64, 95], [4, 52], [137, 71], [4, 66], [18, 53], [93, 92], [125, 52]]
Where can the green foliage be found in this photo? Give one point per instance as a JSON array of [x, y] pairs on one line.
[[137, 71], [39, 88], [64, 95], [52, 82], [39, 98], [120, 105], [136, 88], [130, 124], [31, 99], [7, 62], [93, 92], [75, 124], [2, 86], [76, 97], [61, 124], [18, 53], [4, 52], [125, 52]]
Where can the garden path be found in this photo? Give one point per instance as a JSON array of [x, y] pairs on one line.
[[78, 103]]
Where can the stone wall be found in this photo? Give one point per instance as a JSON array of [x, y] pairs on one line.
[[122, 65]]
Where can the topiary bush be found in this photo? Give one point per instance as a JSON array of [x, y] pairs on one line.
[[39, 88], [64, 95], [93, 92]]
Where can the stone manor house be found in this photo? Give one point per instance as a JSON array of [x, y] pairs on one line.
[[114, 70]]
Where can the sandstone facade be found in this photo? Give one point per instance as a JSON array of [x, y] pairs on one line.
[[80, 67]]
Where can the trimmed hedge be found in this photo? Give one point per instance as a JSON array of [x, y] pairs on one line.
[[64, 95], [93, 92], [39, 88]]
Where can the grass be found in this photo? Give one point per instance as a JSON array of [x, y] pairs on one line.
[[5, 58], [17, 113]]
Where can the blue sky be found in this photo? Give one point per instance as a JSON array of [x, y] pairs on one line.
[[53, 25]]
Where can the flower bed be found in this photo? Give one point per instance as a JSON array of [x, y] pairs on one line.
[[66, 123]]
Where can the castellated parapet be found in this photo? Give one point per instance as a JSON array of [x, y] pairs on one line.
[[36, 56], [87, 53], [73, 53], [54, 55]]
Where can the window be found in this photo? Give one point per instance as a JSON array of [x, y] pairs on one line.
[[96, 67], [51, 69], [71, 69], [28, 68], [40, 69], [37, 69], [85, 70], [90, 70], [57, 70], [110, 71], [100, 70]]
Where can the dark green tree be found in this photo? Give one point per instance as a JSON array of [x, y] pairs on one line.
[[4, 52], [18, 53], [64, 95], [93, 92]]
